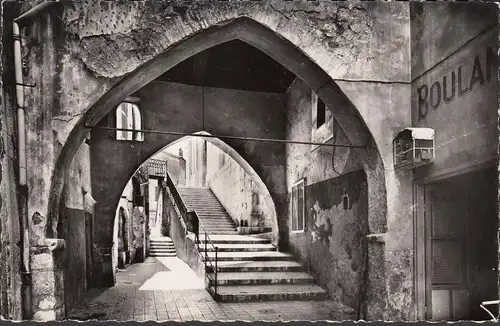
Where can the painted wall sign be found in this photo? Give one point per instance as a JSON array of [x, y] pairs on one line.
[[457, 83]]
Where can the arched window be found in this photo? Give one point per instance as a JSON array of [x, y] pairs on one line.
[[128, 116]]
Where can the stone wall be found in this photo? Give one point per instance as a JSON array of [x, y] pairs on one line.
[[10, 290], [184, 241], [236, 191], [333, 244], [455, 84], [73, 227], [170, 106]]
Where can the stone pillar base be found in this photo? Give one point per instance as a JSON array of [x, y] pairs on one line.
[[47, 273]]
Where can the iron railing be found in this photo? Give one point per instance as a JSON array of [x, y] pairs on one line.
[[193, 224], [209, 270]]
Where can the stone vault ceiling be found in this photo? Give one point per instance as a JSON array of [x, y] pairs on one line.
[[235, 65]]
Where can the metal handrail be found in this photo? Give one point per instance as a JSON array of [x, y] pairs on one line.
[[195, 223], [216, 249]]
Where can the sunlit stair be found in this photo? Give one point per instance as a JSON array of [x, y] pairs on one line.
[[161, 247], [249, 268], [213, 216]]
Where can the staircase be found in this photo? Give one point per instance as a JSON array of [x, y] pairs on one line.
[[212, 215], [249, 268], [161, 247]]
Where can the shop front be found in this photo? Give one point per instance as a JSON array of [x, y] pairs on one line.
[[456, 194]]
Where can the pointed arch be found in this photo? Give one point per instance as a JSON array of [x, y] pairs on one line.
[[246, 30]]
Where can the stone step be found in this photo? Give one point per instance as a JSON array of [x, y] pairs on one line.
[[274, 292], [162, 254], [161, 244], [217, 227], [241, 239], [191, 192], [262, 278], [253, 256], [199, 197], [159, 240], [156, 245], [213, 221], [214, 216], [214, 202], [200, 202], [215, 230], [162, 249], [237, 247], [223, 233], [259, 266], [210, 212], [213, 212]]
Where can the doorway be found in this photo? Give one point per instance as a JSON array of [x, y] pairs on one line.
[[458, 263]]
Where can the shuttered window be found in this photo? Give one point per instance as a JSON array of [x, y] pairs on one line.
[[447, 238]]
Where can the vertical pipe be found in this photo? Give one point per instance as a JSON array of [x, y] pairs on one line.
[[27, 309], [20, 104], [26, 287]]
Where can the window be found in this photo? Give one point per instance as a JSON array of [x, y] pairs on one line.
[[128, 116], [322, 122], [320, 113], [298, 206]]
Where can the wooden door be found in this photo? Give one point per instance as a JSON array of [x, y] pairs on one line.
[[447, 292]]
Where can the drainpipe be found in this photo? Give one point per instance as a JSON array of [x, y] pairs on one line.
[[26, 294]]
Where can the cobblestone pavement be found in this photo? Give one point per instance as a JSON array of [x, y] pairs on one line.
[[163, 289]]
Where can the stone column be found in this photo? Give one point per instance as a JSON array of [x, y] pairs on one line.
[[47, 274]]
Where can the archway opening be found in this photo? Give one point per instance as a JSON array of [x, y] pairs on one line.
[[175, 96]]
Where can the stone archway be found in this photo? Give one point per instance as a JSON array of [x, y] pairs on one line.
[[249, 170], [284, 52], [244, 29]]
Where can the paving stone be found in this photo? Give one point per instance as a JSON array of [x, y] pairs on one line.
[[127, 303]]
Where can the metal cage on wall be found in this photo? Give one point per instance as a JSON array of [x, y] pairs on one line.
[[413, 147]]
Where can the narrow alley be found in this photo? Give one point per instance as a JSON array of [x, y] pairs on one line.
[[165, 288]]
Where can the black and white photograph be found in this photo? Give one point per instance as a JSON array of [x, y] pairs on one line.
[[249, 161]]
